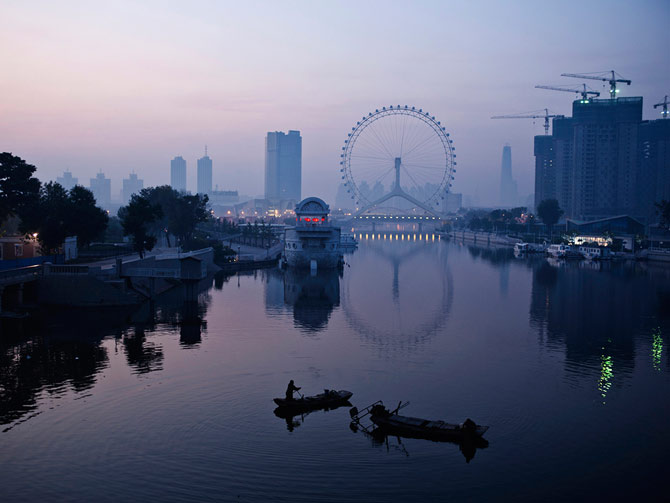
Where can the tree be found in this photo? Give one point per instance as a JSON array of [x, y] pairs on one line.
[[136, 218], [49, 217], [58, 214], [85, 219], [168, 199], [19, 190], [663, 210], [549, 212], [189, 210]]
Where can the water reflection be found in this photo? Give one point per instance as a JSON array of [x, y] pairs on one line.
[[657, 349], [295, 418], [380, 439], [51, 352], [411, 298], [593, 314], [313, 296]]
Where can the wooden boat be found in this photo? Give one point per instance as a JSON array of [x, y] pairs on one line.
[[328, 398], [392, 423]]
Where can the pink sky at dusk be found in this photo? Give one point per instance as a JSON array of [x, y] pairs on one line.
[[121, 86]]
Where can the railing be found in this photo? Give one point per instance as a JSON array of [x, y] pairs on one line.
[[20, 275], [149, 272], [65, 269], [195, 253]]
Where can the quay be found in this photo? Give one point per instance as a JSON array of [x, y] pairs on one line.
[[122, 283]]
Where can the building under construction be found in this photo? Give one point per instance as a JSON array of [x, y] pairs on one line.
[[604, 161]]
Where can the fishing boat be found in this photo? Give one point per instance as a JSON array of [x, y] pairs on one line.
[[393, 423], [329, 398]]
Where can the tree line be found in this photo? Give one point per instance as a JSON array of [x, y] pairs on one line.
[[47, 211], [157, 211], [51, 213]]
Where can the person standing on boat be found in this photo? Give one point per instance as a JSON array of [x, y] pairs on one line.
[[290, 389]]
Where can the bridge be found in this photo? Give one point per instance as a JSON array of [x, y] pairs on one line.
[[396, 218]]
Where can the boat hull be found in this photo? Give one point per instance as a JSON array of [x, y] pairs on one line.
[[320, 401], [423, 428]]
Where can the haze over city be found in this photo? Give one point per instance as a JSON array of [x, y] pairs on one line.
[[126, 86]]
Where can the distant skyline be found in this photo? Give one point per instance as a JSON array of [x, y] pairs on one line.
[[126, 86]]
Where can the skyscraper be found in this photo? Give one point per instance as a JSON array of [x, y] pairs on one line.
[[102, 190], [283, 166], [508, 193], [67, 181], [605, 148], [178, 174], [653, 166], [205, 174], [604, 161], [131, 185]]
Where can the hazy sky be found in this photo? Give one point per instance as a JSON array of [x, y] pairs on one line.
[[120, 86]]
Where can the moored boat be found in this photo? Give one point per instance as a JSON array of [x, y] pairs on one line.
[[393, 423], [328, 398]]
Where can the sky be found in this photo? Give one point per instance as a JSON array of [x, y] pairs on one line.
[[127, 85]]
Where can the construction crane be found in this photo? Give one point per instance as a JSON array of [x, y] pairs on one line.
[[663, 104], [531, 115], [584, 93], [601, 76]]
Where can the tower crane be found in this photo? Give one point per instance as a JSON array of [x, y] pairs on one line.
[[531, 115], [613, 79], [582, 91], [663, 104]]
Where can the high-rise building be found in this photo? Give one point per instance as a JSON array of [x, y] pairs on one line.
[[178, 174], [67, 181], [653, 166], [562, 149], [131, 185], [508, 192], [605, 157], [102, 190], [283, 166], [545, 174], [604, 161], [204, 174]]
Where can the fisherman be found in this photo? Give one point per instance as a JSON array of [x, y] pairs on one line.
[[290, 389]]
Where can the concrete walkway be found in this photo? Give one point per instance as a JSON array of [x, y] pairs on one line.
[[247, 252], [110, 262]]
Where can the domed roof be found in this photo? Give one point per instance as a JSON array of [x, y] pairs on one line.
[[312, 206]]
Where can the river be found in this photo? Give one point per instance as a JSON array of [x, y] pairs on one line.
[[567, 362]]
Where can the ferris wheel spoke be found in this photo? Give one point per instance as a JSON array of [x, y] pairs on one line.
[[385, 159], [425, 166], [372, 143], [374, 148], [386, 137], [423, 142], [417, 131], [380, 141]]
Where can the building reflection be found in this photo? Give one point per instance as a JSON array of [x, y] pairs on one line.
[[312, 296], [594, 315]]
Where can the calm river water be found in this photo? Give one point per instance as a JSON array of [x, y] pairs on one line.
[[566, 362]]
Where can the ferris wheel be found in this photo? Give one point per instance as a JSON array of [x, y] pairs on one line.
[[398, 152]]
